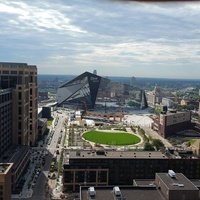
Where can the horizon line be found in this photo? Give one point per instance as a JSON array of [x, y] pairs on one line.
[[124, 76]]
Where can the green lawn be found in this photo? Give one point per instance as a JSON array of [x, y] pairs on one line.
[[111, 138], [49, 122]]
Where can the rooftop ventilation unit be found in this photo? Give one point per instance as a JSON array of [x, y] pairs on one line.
[[117, 191], [171, 173], [91, 192], [178, 184]]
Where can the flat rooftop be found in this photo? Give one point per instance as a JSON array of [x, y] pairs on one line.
[[143, 182], [5, 167], [172, 183], [128, 193], [196, 182], [116, 154], [16, 65], [15, 155], [176, 113]]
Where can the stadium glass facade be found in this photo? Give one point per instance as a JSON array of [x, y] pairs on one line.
[[85, 89]]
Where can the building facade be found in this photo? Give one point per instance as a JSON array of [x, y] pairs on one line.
[[5, 120], [42, 127], [154, 97], [177, 187], [121, 167], [21, 78], [5, 181], [171, 122]]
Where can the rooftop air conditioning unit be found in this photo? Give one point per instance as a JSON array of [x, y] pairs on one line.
[[117, 191], [91, 192], [171, 173]]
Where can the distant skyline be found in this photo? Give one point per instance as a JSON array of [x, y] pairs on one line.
[[159, 40]]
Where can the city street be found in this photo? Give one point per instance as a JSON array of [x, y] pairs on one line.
[[37, 175], [41, 189]]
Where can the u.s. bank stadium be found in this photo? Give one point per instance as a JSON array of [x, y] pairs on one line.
[[87, 88]]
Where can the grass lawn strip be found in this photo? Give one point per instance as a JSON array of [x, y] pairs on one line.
[[111, 137]]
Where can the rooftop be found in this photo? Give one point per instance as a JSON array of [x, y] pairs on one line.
[[142, 189], [16, 65], [39, 110], [5, 167], [15, 155], [42, 121], [176, 113], [179, 182], [127, 193], [116, 154]]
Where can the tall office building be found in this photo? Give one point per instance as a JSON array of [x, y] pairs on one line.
[[5, 120], [21, 79]]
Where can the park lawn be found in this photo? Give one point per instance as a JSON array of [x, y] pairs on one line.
[[111, 138]]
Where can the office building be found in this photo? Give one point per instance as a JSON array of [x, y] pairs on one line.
[[42, 127], [5, 120], [100, 168], [171, 122], [5, 181], [19, 156], [21, 78], [46, 112], [176, 186], [163, 187], [154, 97]]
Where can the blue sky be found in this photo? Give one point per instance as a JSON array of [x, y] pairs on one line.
[[119, 39]]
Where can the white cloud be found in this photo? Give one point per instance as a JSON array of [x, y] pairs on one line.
[[99, 33], [40, 18], [144, 52]]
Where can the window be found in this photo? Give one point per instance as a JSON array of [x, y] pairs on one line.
[[19, 95], [19, 125], [19, 110], [19, 140]]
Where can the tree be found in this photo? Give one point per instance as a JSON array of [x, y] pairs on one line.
[[148, 147], [157, 143]]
